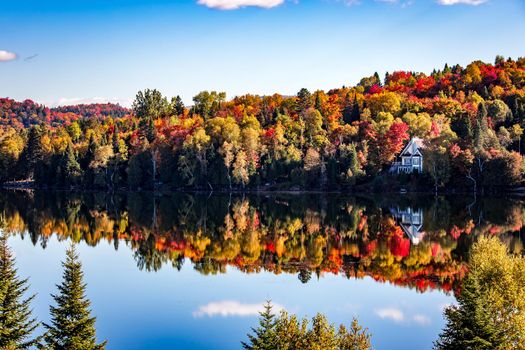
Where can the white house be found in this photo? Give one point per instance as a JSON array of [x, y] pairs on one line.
[[410, 159], [411, 221]]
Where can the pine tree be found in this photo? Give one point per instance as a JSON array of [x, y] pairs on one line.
[[69, 166], [304, 100], [264, 337], [147, 129], [177, 105], [318, 103], [347, 110], [481, 128], [377, 79], [490, 310], [351, 111], [32, 154], [16, 322], [356, 113], [72, 326], [115, 140], [90, 153]]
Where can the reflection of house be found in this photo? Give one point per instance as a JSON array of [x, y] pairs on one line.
[[411, 221], [410, 159]]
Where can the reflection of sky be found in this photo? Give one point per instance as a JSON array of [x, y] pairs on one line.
[[186, 310]]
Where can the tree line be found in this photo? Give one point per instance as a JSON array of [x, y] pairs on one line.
[[287, 332], [470, 118], [305, 235], [71, 326]]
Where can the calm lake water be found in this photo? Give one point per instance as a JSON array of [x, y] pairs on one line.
[[191, 271]]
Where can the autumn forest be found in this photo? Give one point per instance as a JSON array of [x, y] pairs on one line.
[[470, 118]]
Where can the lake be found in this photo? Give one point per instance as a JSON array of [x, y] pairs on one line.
[[191, 271]]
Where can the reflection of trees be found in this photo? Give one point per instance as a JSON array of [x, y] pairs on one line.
[[296, 234]]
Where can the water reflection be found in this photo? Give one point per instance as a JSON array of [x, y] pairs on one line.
[[420, 243]]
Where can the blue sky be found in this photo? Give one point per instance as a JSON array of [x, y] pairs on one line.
[[97, 50]]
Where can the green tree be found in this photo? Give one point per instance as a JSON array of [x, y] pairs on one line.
[[304, 100], [72, 326], [177, 105], [264, 337], [490, 313], [32, 154], [69, 167], [206, 103], [286, 332], [150, 103], [322, 335], [355, 338], [147, 129], [437, 165], [291, 334], [16, 322]]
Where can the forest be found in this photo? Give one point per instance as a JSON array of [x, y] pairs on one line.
[[470, 118]]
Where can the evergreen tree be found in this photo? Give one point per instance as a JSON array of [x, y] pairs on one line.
[[355, 338], [147, 129], [377, 79], [485, 93], [304, 275], [351, 112], [70, 169], [347, 110], [264, 337], [490, 310], [32, 154], [16, 323], [72, 326], [481, 128], [177, 105], [318, 103], [150, 103], [115, 140], [304, 100], [89, 156], [356, 113]]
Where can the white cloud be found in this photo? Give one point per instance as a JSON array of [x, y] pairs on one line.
[[393, 314], [7, 56], [398, 316], [65, 101], [228, 308], [465, 2], [235, 4], [421, 320]]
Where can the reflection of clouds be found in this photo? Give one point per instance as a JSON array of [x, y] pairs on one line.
[[393, 314], [228, 308], [398, 316], [352, 308], [421, 319]]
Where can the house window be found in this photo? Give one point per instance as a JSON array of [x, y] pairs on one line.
[[416, 161], [406, 161]]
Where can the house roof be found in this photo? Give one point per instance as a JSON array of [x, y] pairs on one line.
[[413, 146]]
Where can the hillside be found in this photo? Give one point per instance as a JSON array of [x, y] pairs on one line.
[[27, 113], [470, 118]]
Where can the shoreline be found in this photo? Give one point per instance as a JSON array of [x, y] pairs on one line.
[[518, 192]]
